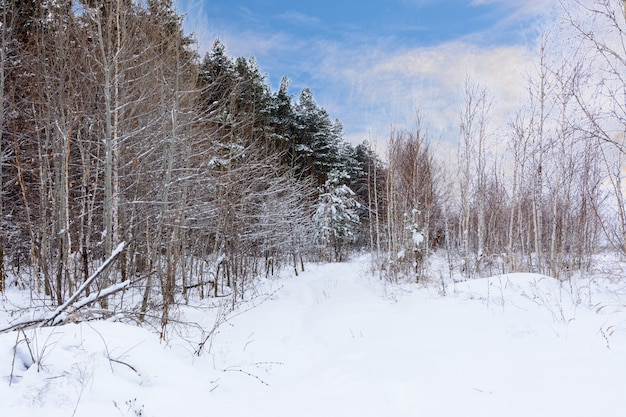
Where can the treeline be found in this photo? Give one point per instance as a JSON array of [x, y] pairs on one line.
[[114, 130], [541, 191]]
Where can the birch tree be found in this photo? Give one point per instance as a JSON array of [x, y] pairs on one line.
[[519, 139], [473, 173]]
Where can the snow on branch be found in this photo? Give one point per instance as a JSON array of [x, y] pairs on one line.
[[74, 303]]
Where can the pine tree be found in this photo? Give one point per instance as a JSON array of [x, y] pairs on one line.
[[317, 139], [282, 120], [336, 220]]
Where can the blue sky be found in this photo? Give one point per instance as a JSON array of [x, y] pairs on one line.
[[375, 64]]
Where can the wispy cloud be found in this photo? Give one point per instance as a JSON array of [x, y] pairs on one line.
[[239, 42], [516, 11], [383, 87], [301, 18]]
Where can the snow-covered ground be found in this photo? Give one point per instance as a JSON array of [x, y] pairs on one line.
[[336, 341]]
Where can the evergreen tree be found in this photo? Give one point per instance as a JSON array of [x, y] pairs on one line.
[[317, 139], [336, 219], [282, 119]]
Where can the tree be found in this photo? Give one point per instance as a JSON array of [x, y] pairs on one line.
[[336, 220], [412, 203], [316, 139], [369, 185], [600, 25], [6, 40], [282, 119], [473, 174]]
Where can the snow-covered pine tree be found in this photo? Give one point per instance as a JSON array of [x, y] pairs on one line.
[[317, 139], [336, 220]]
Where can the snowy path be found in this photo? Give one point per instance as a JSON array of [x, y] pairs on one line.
[[345, 350], [335, 342]]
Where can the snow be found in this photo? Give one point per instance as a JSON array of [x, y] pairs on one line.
[[418, 237], [336, 341]]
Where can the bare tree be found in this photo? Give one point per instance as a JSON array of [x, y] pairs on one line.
[[519, 139], [600, 25], [5, 41], [412, 204], [473, 159]]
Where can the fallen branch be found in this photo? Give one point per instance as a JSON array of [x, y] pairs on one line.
[[71, 311], [85, 284], [73, 304]]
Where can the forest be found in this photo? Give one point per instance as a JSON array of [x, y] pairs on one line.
[[190, 177]]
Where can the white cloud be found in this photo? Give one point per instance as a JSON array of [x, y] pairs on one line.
[[383, 87]]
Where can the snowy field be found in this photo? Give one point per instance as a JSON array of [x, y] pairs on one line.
[[336, 341]]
